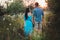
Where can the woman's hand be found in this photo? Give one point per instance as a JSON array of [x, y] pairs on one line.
[[33, 20]]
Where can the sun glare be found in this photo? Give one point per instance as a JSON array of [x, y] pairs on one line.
[[42, 3]]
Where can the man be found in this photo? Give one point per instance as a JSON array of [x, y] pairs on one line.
[[37, 15]]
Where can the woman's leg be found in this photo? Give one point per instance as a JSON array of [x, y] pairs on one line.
[[30, 37], [30, 34]]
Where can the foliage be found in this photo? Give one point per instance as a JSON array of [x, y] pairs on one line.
[[54, 21], [54, 5], [2, 11], [16, 7], [37, 35], [48, 29], [9, 26]]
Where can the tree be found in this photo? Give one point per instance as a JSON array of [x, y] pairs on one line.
[[9, 26], [53, 32], [16, 7], [54, 5], [2, 11]]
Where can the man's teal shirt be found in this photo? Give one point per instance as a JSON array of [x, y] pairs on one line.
[[38, 13]]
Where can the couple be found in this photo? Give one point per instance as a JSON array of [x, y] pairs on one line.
[[28, 25]]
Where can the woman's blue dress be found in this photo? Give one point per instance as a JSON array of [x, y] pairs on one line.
[[28, 26]]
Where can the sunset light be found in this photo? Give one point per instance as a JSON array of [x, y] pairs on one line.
[[42, 3]]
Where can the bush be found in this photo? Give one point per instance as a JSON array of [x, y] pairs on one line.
[[9, 26], [16, 7]]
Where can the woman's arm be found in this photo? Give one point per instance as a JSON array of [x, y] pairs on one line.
[[33, 20]]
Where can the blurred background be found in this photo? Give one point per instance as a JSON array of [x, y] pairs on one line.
[[12, 14]]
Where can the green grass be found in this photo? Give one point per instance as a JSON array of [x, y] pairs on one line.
[[9, 26]]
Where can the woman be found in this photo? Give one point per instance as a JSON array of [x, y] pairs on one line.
[[28, 26]]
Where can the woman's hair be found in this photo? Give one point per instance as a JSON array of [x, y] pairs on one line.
[[26, 13]]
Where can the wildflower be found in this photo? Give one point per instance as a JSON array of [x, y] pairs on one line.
[[10, 24], [3, 19], [7, 28]]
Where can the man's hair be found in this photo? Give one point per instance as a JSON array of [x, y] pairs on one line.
[[36, 4]]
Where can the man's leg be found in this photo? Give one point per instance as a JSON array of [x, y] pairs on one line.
[[38, 26]]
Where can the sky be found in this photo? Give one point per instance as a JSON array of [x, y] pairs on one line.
[[27, 2], [2, 2], [42, 3]]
